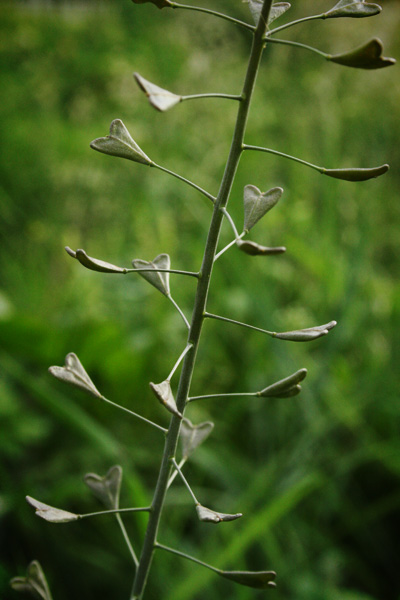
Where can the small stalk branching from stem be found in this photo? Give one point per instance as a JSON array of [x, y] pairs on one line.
[[187, 181], [232, 243], [215, 14], [180, 311], [185, 481], [178, 362], [211, 95], [134, 414]]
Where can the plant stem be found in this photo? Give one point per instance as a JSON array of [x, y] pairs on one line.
[[232, 243], [294, 158], [233, 395], [211, 95], [178, 362], [193, 185], [178, 308], [190, 273], [187, 556], [185, 481], [134, 414], [200, 302], [299, 45], [175, 473], [115, 511], [231, 222], [219, 318], [127, 540], [302, 20], [215, 13]]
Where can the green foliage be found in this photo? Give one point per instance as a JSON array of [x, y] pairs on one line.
[[324, 477]]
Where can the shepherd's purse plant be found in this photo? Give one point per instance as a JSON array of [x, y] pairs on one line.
[[182, 437]]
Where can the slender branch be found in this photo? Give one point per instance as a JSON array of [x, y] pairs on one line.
[[193, 185], [187, 556], [175, 473], [348, 174], [134, 414], [178, 362], [127, 540], [200, 302], [175, 271], [231, 222], [235, 394], [185, 481], [299, 45], [294, 158], [232, 243], [212, 95], [215, 13], [219, 318], [115, 511], [179, 311], [296, 22]]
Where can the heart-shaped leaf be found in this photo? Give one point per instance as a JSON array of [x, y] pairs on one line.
[[120, 143], [158, 3], [49, 513], [107, 488], [192, 436], [34, 582], [306, 335], [367, 56], [160, 280], [159, 98], [255, 579], [353, 8], [285, 388], [255, 249], [74, 374], [164, 394], [277, 9], [211, 516], [257, 204], [356, 174], [93, 263]]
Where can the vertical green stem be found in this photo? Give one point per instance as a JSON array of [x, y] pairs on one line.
[[200, 302]]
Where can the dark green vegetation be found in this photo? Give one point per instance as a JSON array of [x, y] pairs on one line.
[[317, 476]]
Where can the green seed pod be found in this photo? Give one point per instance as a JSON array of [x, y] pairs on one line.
[[367, 56], [107, 488], [352, 8], [120, 143], [51, 514]]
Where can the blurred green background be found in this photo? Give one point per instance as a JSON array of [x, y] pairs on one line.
[[317, 476]]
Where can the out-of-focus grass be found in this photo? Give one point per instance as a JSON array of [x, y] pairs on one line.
[[317, 477]]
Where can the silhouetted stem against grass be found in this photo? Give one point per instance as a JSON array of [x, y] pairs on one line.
[[200, 303]]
